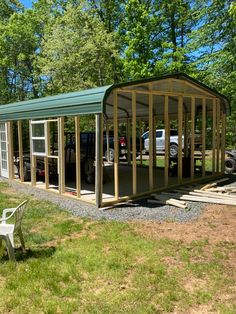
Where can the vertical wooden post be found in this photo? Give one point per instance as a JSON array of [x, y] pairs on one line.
[[10, 150], [99, 153], [32, 158], [167, 139], [134, 165], [140, 141], [150, 113], [223, 142], [46, 173], [107, 141], [193, 101], [61, 155], [154, 142], [116, 145], [128, 141], [46, 168], [186, 152], [77, 160], [203, 137], [20, 144], [214, 136], [180, 130], [218, 136]]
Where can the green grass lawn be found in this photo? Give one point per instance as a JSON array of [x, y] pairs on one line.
[[76, 265]]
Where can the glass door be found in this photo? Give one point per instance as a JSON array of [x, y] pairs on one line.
[[3, 150]]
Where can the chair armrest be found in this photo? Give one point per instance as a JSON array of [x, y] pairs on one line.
[[5, 212]]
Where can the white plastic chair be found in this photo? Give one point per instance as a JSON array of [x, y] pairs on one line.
[[7, 230]]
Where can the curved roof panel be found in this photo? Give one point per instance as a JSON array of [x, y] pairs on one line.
[[90, 101], [76, 103]]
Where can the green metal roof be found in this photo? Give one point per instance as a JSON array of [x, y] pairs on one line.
[[76, 103], [90, 101]]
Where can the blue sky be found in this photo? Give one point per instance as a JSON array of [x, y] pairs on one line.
[[27, 3]]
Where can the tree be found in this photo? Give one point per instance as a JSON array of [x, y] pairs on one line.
[[76, 52]]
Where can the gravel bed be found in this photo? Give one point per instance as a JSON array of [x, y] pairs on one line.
[[138, 210]]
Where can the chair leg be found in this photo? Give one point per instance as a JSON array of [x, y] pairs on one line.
[[21, 240], [10, 249]]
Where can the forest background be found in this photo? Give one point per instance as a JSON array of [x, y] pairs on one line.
[[59, 46]]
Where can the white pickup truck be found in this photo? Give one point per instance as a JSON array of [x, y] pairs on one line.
[[160, 141]]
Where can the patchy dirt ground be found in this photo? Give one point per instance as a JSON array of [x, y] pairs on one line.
[[216, 224]]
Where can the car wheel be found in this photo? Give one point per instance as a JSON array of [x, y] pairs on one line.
[[173, 150], [230, 165], [111, 154]]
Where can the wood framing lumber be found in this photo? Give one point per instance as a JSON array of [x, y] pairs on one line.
[[222, 189], [206, 199], [134, 164], [168, 202], [116, 146], [213, 184], [165, 197], [167, 139], [20, 144], [213, 194], [192, 136]]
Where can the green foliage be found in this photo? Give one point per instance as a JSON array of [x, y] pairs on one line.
[[76, 51], [59, 46]]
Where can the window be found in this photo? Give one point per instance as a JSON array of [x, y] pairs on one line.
[[145, 135], [39, 138], [158, 133], [173, 133]]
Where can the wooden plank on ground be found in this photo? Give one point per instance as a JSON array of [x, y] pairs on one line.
[[169, 202], [209, 200]]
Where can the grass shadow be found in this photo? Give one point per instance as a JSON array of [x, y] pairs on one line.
[[38, 253]]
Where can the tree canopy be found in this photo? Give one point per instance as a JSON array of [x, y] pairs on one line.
[[58, 46]]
